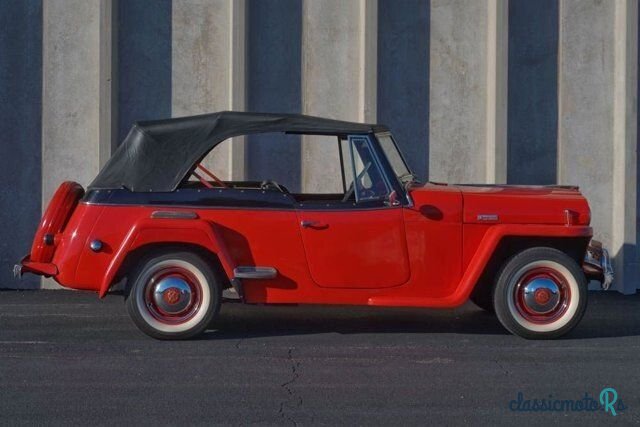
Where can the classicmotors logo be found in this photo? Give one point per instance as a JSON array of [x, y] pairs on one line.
[[607, 401]]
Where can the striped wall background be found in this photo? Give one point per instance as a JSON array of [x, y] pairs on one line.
[[518, 91]]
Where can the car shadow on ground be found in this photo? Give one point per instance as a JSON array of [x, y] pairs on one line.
[[608, 315]]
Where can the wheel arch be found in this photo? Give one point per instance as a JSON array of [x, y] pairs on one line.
[[196, 236], [148, 250], [508, 246]]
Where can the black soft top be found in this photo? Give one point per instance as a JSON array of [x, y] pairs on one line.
[[156, 155]]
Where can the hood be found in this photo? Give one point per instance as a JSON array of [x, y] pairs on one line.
[[516, 204]]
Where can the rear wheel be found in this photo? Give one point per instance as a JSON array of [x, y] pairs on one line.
[[174, 295], [541, 293]]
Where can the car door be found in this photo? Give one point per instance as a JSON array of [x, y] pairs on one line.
[[358, 243]]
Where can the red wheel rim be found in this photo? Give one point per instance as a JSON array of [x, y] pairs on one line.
[[542, 295], [173, 295]]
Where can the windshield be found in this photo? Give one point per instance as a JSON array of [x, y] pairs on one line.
[[395, 158]]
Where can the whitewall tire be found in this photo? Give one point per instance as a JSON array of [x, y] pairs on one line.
[[173, 295], [541, 293]]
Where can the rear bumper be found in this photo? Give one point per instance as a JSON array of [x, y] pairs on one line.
[[597, 264], [40, 268]]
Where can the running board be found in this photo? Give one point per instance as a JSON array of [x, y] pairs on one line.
[[254, 272]]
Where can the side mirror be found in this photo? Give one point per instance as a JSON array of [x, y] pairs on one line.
[[392, 199]]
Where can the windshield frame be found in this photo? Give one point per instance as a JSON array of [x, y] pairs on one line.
[[400, 176]]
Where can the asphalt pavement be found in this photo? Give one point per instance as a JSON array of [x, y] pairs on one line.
[[67, 358]]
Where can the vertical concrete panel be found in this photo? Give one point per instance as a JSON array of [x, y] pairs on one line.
[[338, 78], [20, 127], [144, 62], [73, 109], [625, 156], [403, 77], [468, 89], [77, 97], [638, 163], [273, 84], [208, 68], [533, 92], [596, 126]]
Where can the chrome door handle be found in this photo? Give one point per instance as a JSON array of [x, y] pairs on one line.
[[316, 225]]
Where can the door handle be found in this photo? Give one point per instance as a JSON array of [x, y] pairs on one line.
[[312, 224]]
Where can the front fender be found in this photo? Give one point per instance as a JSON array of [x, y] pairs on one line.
[[480, 259], [161, 230]]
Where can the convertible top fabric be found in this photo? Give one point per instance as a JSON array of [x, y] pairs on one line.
[[157, 155]]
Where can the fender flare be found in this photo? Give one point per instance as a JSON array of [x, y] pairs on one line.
[[480, 259], [157, 231], [490, 243]]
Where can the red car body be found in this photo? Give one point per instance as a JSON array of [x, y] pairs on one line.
[[432, 250]]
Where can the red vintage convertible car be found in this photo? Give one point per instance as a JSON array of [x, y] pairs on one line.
[[179, 235]]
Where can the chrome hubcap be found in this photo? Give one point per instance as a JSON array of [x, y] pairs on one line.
[[172, 294], [541, 295]]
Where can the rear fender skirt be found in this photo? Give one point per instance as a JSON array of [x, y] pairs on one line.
[[167, 230]]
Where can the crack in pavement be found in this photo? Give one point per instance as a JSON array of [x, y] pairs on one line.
[[295, 365], [502, 368]]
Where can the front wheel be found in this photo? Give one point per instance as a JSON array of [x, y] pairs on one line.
[[541, 293], [174, 295]]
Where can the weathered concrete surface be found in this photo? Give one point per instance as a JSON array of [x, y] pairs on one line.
[[71, 110], [208, 60], [77, 111], [403, 77], [533, 92], [338, 78], [274, 85], [20, 127], [467, 115], [144, 62], [597, 121]]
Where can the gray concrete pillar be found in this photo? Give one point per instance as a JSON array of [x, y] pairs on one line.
[[339, 67], [77, 99], [598, 118], [468, 91], [208, 64], [78, 120]]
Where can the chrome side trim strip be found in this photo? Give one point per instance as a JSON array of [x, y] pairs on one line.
[[174, 215], [247, 272]]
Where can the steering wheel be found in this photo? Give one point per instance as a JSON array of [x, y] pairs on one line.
[[268, 184], [351, 189]]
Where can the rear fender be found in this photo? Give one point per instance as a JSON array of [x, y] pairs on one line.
[[159, 231]]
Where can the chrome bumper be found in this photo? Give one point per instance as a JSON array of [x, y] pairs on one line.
[[17, 271], [40, 268], [597, 264]]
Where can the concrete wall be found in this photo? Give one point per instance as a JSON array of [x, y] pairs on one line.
[[597, 128], [144, 62], [338, 78], [208, 65], [532, 124], [467, 117], [403, 77], [487, 91], [20, 132], [274, 54]]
